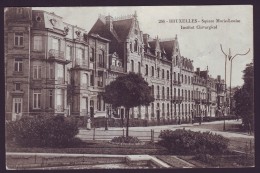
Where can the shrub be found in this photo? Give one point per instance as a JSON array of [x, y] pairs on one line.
[[51, 131], [189, 142], [123, 139]]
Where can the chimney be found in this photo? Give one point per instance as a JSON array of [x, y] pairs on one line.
[[109, 22], [198, 70]]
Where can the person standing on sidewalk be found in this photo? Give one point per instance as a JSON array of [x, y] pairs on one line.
[[88, 124]]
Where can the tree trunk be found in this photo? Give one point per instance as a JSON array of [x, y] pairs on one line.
[[127, 121]]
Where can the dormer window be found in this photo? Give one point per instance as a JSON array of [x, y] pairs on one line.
[[53, 22]]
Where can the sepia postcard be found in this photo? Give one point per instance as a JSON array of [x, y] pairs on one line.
[[129, 87]]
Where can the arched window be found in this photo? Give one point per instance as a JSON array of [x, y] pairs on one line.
[[163, 92], [131, 47], [168, 92], [168, 75], [92, 54], [135, 46], [132, 66], [152, 71], [152, 90], [101, 59], [163, 73], [146, 69], [158, 91]]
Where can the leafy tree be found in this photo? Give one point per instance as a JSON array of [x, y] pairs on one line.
[[130, 90], [244, 98]]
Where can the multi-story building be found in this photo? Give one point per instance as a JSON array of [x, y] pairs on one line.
[[53, 67]]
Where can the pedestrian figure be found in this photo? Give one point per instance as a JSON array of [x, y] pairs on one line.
[[88, 124]]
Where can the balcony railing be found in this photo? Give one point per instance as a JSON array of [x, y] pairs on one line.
[[59, 108], [158, 96], [175, 82], [163, 96], [81, 63], [101, 64], [203, 101], [197, 101], [116, 68], [56, 54], [177, 99]]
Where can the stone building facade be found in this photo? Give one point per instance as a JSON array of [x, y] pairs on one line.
[[53, 67]]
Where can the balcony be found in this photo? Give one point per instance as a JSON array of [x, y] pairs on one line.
[[81, 63], [197, 101], [56, 55], [175, 82], [204, 101], [163, 96], [59, 108], [158, 96], [116, 68], [177, 99]]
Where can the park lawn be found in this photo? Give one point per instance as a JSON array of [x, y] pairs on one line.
[[94, 147]]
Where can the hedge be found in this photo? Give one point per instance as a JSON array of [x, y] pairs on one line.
[[183, 141], [50, 131]]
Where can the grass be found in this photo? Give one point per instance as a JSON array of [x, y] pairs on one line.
[[94, 147]]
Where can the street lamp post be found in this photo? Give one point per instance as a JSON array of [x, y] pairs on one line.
[[230, 58]]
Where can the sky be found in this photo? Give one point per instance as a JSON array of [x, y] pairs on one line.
[[200, 45]]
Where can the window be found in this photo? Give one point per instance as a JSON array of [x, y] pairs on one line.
[[163, 92], [132, 66], [69, 53], [168, 75], [59, 99], [182, 78], [178, 77], [185, 79], [135, 46], [92, 55], [17, 105], [158, 92], [55, 44], [18, 39], [139, 67], [36, 99], [36, 72], [174, 76], [51, 98], [158, 72], [163, 73], [152, 71], [101, 58], [146, 70], [84, 80], [174, 92], [37, 43], [80, 54], [92, 78], [51, 72], [100, 78], [60, 73], [17, 86], [18, 65], [131, 47], [168, 92]]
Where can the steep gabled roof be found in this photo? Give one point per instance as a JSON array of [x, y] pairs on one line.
[[122, 28], [101, 29], [168, 47]]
